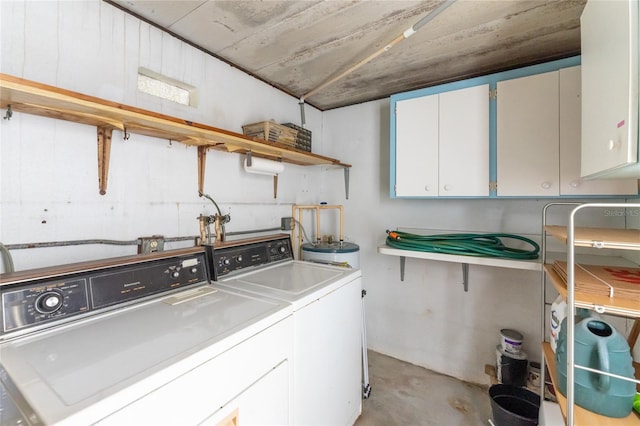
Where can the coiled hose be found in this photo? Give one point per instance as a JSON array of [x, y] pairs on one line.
[[487, 245]]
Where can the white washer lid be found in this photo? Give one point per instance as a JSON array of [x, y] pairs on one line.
[[71, 367]]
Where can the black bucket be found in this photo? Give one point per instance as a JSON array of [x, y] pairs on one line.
[[514, 406]]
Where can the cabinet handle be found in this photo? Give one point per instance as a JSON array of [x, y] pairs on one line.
[[575, 183], [546, 185], [613, 144], [427, 188], [447, 187]]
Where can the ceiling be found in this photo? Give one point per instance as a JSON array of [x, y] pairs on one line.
[[297, 46]]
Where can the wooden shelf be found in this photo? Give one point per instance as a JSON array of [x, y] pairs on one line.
[[627, 239], [611, 305], [20, 95], [581, 415]]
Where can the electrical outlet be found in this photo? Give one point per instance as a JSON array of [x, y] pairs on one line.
[[150, 244], [286, 223]]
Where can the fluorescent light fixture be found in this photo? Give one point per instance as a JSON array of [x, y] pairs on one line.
[[155, 84]]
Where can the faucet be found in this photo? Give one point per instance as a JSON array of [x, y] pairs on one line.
[[218, 220]]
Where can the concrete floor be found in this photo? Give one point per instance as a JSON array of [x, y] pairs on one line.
[[405, 394]]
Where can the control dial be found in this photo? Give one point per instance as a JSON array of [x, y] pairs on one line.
[[49, 301]]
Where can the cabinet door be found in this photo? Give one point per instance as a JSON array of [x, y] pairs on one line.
[[528, 136], [464, 142], [570, 181], [609, 41], [417, 147]]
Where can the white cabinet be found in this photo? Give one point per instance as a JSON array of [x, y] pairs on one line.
[[442, 144], [539, 139], [417, 146], [609, 43], [528, 159], [570, 140]]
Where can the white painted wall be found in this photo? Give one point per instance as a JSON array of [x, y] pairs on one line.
[[428, 319], [49, 185], [49, 176]]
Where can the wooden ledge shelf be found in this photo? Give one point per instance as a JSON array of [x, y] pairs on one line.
[[627, 239], [601, 304], [20, 95]]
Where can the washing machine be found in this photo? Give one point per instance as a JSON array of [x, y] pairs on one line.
[[326, 302], [140, 340]]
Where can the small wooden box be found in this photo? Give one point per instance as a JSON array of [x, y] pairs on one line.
[[272, 132]]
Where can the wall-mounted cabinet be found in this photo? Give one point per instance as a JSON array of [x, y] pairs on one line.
[[443, 144], [528, 158], [571, 180], [538, 139], [610, 81], [533, 119]]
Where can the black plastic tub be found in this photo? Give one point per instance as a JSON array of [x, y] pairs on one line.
[[513, 406]]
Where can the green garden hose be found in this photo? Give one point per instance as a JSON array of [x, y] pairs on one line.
[[486, 245]]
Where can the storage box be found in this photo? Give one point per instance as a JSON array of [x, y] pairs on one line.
[[303, 140], [272, 132]]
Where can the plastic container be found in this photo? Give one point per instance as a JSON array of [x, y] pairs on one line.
[[511, 369], [511, 341], [513, 406], [600, 346], [558, 313]]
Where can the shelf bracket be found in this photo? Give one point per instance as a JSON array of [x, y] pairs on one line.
[[8, 114], [403, 260], [465, 272], [346, 182], [104, 153], [465, 276], [202, 160]]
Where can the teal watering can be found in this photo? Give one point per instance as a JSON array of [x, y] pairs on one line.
[[600, 346]]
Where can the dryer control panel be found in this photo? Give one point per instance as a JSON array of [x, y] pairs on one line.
[[228, 258]]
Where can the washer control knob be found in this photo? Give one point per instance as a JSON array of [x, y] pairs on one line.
[[239, 259], [282, 249], [49, 302], [175, 274], [194, 270], [226, 262]]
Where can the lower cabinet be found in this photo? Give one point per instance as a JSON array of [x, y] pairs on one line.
[[247, 384]]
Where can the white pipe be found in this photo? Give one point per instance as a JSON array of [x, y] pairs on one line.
[[406, 34]]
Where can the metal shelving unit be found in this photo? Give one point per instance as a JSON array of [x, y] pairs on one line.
[[598, 238]]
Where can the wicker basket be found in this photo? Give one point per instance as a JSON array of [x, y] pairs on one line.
[[303, 141], [271, 131]]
